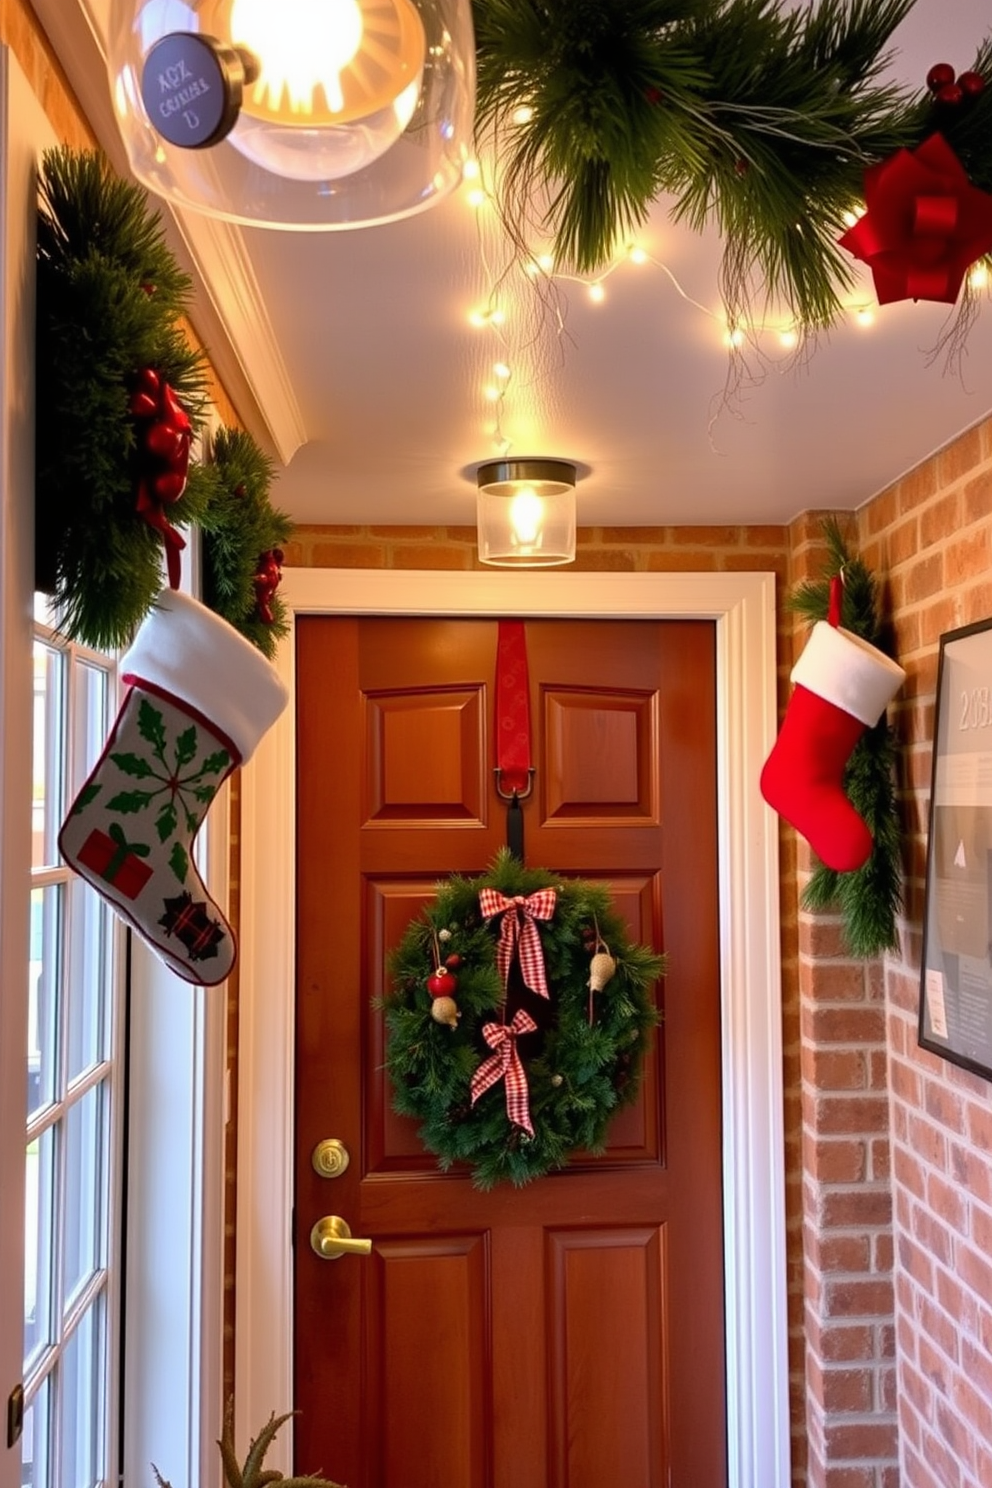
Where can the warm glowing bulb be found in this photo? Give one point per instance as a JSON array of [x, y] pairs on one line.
[[497, 317], [492, 393], [523, 114], [471, 171], [979, 276], [338, 80], [597, 293], [735, 337], [526, 515], [476, 197], [864, 316], [501, 370], [545, 262], [295, 59], [789, 338], [638, 255]]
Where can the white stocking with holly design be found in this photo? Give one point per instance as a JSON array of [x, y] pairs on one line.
[[131, 830]]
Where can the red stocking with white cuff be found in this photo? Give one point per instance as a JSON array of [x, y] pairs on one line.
[[200, 697], [842, 686]]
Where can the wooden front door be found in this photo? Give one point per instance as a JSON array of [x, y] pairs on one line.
[[568, 1334]]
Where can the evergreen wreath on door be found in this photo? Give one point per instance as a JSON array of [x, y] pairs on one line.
[[518, 1020]]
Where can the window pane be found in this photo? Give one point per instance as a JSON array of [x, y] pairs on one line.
[[35, 1471], [85, 1167], [49, 774], [43, 995], [39, 1269], [89, 699], [83, 1400], [90, 941]]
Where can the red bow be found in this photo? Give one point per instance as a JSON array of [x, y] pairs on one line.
[[519, 932], [925, 224], [164, 436], [505, 1065]]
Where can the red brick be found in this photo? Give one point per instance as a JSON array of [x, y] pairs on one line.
[[845, 1025], [848, 1391], [843, 1115], [847, 1208], [875, 1438], [847, 1298]]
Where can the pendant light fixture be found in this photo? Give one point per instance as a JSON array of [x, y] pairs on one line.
[[526, 512], [301, 114]]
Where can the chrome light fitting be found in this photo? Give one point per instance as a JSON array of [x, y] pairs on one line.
[[301, 114], [526, 512]]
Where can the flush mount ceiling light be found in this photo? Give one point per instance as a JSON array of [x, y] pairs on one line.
[[526, 512], [302, 114]]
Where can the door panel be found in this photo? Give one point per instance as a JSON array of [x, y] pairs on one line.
[[569, 1333]]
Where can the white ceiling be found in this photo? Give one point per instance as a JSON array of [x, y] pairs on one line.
[[388, 377]]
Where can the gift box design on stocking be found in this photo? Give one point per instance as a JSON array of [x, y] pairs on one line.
[[843, 685], [200, 698]]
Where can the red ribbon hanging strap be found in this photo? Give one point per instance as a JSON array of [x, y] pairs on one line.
[[512, 710], [505, 1064], [518, 932]]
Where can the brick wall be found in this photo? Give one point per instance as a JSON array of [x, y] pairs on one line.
[[931, 535], [849, 1410]]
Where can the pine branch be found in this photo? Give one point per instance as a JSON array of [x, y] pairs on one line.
[[110, 301], [240, 526]]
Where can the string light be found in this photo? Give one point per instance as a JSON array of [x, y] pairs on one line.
[[541, 301], [978, 278]]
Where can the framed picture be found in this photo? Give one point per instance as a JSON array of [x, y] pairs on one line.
[[956, 974]]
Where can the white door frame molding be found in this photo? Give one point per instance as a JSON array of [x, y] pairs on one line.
[[742, 605]]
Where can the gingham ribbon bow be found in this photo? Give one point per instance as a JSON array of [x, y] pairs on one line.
[[519, 933], [505, 1064]]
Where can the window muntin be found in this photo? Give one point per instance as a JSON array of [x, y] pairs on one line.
[[74, 1096]]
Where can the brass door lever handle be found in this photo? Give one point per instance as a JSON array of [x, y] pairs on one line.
[[331, 1238]]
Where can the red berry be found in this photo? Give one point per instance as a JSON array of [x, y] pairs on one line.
[[939, 76], [971, 84], [453, 961], [951, 95]]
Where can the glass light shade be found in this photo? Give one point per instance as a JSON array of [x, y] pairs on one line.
[[329, 113], [526, 513]]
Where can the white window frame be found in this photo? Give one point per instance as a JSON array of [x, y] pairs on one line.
[[742, 606], [173, 1377]]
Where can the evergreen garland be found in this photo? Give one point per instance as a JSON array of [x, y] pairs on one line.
[[110, 301], [239, 527], [758, 118], [868, 899], [580, 1070]]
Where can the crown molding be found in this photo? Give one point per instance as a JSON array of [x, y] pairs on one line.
[[228, 312]]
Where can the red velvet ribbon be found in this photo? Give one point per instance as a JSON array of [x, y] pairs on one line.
[[836, 600], [164, 435], [518, 933], [512, 708], [505, 1064], [925, 224]]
